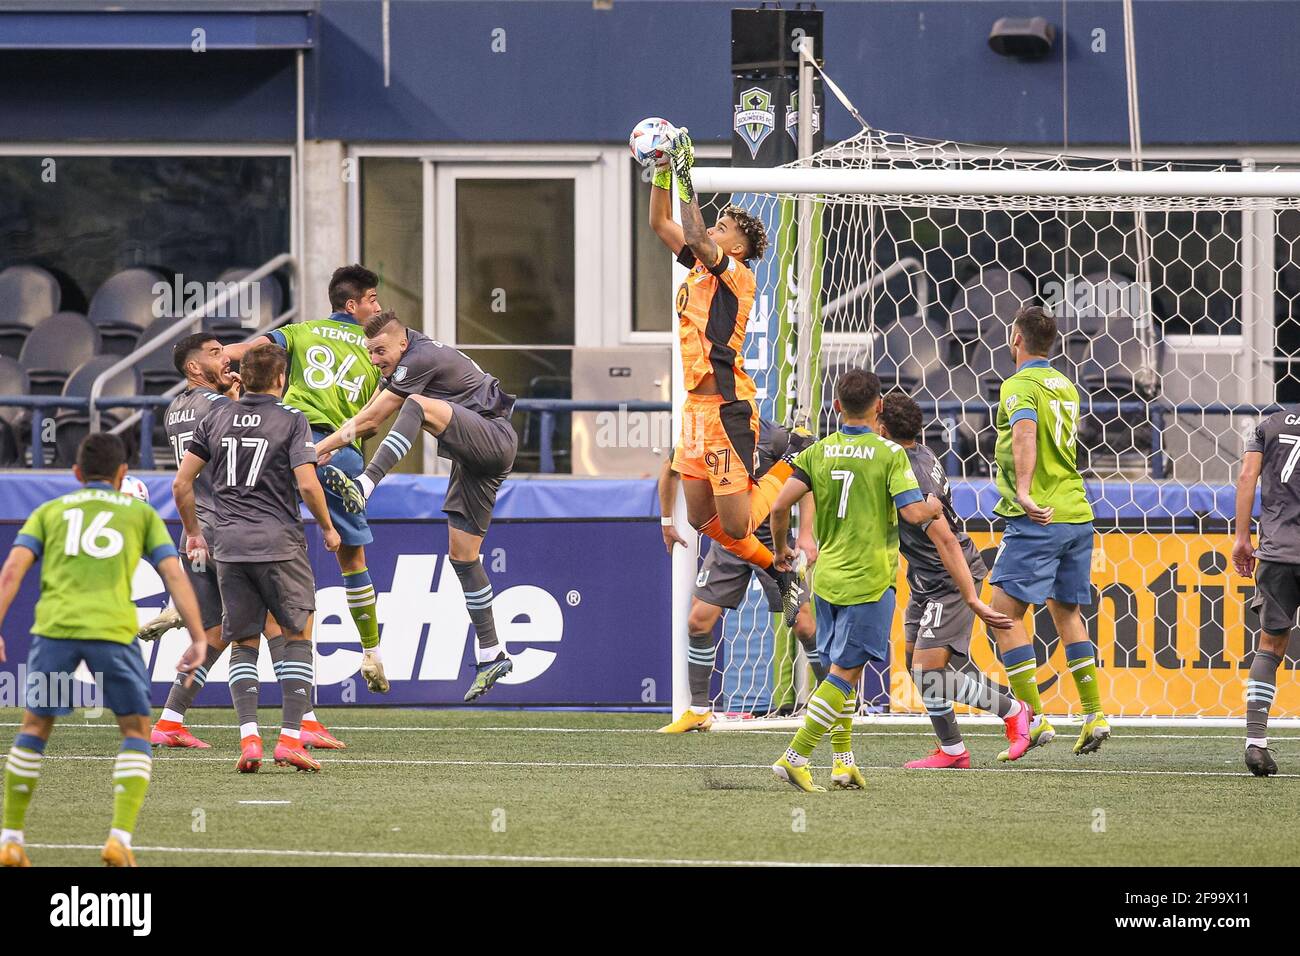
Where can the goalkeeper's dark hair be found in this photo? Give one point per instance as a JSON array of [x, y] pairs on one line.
[[350, 282], [902, 417], [857, 389], [261, 366], [752, 227], [1038, 328], [184, 350], [99, 456]]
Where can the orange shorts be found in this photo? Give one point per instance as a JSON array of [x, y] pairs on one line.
[[719, 443]]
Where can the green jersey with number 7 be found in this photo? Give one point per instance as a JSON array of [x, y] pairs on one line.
[[330, 376]]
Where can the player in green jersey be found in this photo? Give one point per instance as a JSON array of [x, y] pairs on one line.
[[861, 485], [89, 543], [331, 379], [1046, 550]]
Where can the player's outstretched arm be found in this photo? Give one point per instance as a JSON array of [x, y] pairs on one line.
[[791, 492], [661, 211], [954, 561], [366, 422], [1243, 551], [682, 153], [312, 495], [236, 351], [1024, 452], [178, 586], [15, 568]]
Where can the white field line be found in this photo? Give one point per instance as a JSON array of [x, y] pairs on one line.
[[459, 857], [265, 803], [599, 765]]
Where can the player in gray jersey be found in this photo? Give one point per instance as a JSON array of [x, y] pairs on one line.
[[435, 388], [261, 457], [723, 581], [940, 611], [209, 382], [1270, 460]]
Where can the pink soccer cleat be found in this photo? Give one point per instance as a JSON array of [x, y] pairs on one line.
[[168, 733], [1018, 733], [938, 760]]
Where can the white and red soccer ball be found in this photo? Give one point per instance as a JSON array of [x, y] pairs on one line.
[[135, 488], [649, 140]]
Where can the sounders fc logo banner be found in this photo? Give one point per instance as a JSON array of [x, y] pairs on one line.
[[792, 117], [755, 118]]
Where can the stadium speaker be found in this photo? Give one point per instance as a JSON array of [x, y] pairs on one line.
[[763, 40], [1028, 38]]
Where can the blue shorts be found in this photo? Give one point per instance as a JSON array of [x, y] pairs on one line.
[[353, 529], [1036, 562], [849, 635], [52, 691]]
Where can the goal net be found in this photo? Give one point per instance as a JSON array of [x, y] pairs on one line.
[[910, 256]]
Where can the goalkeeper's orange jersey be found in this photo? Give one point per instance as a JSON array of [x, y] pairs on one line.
[[713, 307]]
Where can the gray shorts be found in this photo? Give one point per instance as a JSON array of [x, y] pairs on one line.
[[724, 579], [206, 589], [939, 620], [1277, 595], [482, 452], [287, 589]]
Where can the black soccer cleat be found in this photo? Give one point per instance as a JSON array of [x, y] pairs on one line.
[[1260, 762]]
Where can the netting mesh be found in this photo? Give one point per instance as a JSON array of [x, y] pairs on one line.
[[1179, 323]]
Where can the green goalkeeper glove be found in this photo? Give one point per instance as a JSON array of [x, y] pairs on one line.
[[663, 177], [682, 151]]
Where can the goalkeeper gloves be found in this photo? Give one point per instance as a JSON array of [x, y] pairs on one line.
[[663, 177], [682, 153]]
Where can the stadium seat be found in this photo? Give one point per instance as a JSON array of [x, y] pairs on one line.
[[270, 301], [156, 369], [72, 425], [986, 303], [124, 306], [54, 348], [909, 348], [27, 295], [13, 420]]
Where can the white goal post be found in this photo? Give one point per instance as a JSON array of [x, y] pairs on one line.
[[1165, 280]]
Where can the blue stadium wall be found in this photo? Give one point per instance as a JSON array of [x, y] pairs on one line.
[[1211, 71]]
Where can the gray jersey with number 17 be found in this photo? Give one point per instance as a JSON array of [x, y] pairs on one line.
[[1277, 438]]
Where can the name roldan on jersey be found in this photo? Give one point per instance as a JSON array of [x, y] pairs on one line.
[[850, 451]]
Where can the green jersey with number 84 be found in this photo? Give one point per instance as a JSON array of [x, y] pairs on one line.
[[330, 376], [1038, 392]]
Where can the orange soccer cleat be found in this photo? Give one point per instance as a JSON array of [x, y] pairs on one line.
[[169, 733], [314, 734], [250, 757], [938, 760], [291, 753]]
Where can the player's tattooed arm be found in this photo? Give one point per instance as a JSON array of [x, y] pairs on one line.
[[1243, 550], [15, 568], [697, 236], [791, 492], [954, 561], [314, 498]]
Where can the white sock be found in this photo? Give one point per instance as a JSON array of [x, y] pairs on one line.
[[172, 715], [248, 730], [1016, 707], [1256, 741], [845, 758], [122, 835], [1036, 722], [953, 750], [796, 759], [372, 653], [310, 715], [11, 836], [699, 710], [291, 734], [484, 655], [367, 486]]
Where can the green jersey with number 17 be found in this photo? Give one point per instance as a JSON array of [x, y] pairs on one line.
[[330, 376], [859, 481], [1039, 393]]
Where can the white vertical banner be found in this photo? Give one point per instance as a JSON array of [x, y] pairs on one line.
[[685, 559]]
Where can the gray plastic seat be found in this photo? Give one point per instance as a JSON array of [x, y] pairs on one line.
[[986, 303], [910, 348], [14, 421], [156, 369], [72, 425], [27, 295], [54, 348], [124, 306], [268, 299]]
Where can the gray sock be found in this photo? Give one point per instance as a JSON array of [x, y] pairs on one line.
[[936, 693], [296, 682], [814, 656], [244, 685], [1261, 687], [970, 686], [398, 442], [180, 698], [478, 600], [275, 647], [700, 659]]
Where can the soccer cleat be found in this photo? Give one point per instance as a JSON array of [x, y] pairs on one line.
[[333, 478], [847, 776], [790, 584], [372, 669], [250, 756], [13, 854], [798, 777], [1018, 733], [291, 753], [938, 760], [688, 721], [314, 734], [168, 733], [152, 630], [1039, 736], [1095, 732], [117, 853], [1259, 761], [488, 674]]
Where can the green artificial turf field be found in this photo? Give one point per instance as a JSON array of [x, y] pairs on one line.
[[481, 786]]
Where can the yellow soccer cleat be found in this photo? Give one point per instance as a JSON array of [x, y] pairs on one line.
[[847, 776], [798, 777], [1096, 731], [117, 853], [688, 721], [1039, 736], [13, 854]]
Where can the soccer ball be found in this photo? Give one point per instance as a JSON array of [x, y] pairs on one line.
[[135, 488], [649, 139]]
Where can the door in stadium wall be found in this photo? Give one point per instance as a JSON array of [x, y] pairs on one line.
[[516, 279]]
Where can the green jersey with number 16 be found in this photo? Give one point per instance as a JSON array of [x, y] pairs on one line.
[[1038, 392], [330, 376]]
